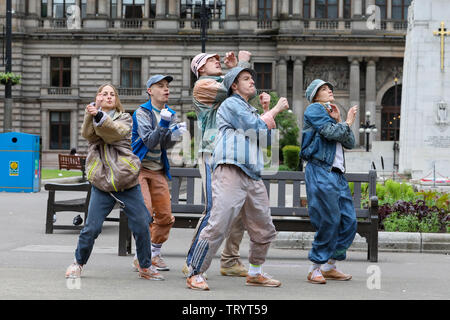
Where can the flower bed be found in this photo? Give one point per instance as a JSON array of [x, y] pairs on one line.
[[403, 209]]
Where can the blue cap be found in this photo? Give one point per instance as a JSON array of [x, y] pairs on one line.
[[313, 87], [232, 75], [157, 78]]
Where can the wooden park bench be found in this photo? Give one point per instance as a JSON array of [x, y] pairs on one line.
[[76, 162], [285, 217], [81, 205]]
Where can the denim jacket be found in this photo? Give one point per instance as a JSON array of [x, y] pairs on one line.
[[241, 136], [320, 134]]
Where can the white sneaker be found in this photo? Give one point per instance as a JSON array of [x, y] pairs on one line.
[[74, 271]]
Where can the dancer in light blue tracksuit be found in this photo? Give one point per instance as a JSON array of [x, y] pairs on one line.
[[330, 204]]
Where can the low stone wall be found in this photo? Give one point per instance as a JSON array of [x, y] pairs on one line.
[[387, 241]]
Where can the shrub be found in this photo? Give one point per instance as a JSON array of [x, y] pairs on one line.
[[291, 156], [286, 123], [6, 77]]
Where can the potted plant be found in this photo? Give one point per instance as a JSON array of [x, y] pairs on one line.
[[10, 77]]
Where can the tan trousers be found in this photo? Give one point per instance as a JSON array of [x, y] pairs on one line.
[[230, 254], [234, 193], [155, 191]]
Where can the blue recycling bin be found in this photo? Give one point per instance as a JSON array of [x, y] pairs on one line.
[[20, 167]]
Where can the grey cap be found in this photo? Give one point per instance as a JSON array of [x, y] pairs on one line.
[[232, 75], [314, 86], [157, 78]]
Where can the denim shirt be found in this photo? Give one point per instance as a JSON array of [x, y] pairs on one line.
[[320, 134], [240, 138]]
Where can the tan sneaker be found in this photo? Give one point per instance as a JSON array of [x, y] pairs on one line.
[[197, 282], [74, 271], [335, 274], [150, 274], [236, 270], [159, 263], [185, 271], [316, 277], [262, 280]]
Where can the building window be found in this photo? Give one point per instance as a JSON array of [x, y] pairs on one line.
[[390, 114], [133, 9], [83, 8], [263, 76], [191, 9], [306, 9], [60, 130], [347, 9], [60, 71], [60, 8], [326, 9], [400, 9], [130, 73], [383, 8], [44, 8], [264, 10], [113, 9], [152, 13]]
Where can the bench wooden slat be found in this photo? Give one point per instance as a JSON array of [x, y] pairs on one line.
[[190, 190], [281, 193], [296, 194], [175, 189], [357, 194]]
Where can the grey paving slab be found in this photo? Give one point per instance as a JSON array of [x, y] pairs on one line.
[[32, 266]]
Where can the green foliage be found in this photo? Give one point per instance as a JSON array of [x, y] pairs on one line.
[[291, 156], [396, 222], [11, 77], [191, 115], [286, 122]]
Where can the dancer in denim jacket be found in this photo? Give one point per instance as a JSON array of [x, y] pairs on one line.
[[330, 204], [237, 188]]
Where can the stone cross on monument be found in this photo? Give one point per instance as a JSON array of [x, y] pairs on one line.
[[442, 32]]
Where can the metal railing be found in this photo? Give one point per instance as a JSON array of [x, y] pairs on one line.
[[130, 91], [59, 91]]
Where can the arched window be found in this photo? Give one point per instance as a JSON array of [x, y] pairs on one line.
[[390, 114], [326, 9]]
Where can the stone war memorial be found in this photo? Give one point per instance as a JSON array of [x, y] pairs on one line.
[[425, 107]]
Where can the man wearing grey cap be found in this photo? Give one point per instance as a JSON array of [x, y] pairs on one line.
[[237, 187], [208, 94], [155, 130]]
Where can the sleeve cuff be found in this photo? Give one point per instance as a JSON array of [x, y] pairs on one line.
[[164, 123], [99, 118], [269, 120]]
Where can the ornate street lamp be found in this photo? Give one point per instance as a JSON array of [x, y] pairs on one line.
[[204, 16], [367, 128]]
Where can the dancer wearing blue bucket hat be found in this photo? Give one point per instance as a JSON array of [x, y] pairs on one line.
[[330, 203], [237, 187]]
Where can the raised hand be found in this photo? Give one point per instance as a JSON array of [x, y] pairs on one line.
[[264, 99], [166, 114], [351, 115], [230, 60], [244, 56]]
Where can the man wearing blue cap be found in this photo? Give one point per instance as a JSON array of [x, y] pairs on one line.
[[237, 187], [330, 204], [154, 132]]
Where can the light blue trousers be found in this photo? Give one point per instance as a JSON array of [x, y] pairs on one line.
[[332, 213]]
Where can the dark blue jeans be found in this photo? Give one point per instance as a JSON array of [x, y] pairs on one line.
[[332, 213], [100, 206]]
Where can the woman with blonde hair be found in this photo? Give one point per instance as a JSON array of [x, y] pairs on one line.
[[112, 169]]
